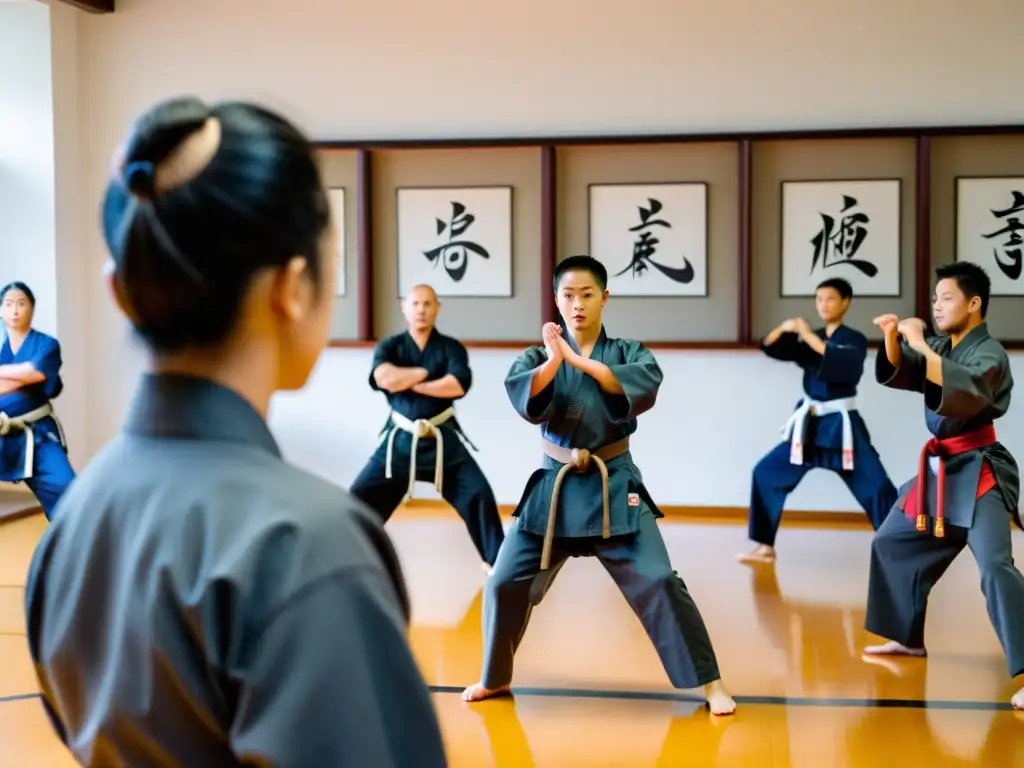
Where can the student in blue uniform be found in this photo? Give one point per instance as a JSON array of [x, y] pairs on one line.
[[585, 390], [422, 373], [826, 430], [198, 601], [32, 445]]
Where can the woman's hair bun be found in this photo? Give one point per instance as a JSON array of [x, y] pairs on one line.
[[201, 200], [155, 135]]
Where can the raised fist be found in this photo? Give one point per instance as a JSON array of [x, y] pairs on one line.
[[888, 323]]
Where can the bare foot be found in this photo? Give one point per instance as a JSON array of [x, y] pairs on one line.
[[1017, 702], [762, 553], [894, 649], [719, 700], [477, 692]]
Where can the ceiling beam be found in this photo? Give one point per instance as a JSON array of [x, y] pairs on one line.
[[92, 6]]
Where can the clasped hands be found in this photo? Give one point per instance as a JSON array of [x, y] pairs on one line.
[[798, 326], [912, 329], [555, 344]]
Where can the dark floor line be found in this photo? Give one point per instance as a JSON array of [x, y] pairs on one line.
[[18, 697], [782, 701]]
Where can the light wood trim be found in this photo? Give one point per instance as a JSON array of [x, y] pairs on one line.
[[679, 514]]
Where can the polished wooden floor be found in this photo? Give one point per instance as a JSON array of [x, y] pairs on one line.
[[591, 692]]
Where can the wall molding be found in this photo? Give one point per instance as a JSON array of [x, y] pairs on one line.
[[746, 144]]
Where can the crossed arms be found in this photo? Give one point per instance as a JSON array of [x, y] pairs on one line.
[[14, 376], [392, 378]]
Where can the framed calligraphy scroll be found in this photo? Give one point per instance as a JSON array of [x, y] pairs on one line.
[[336, 202], [456, 239], [652, 238], [841, 228], [989, 228]]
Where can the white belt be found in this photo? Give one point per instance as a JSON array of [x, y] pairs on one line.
[[418, 428], [23, 423], [793, 429]]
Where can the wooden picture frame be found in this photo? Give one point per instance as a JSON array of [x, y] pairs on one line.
[[336, 202], [459, 240], [652, 237], [989, 228], [847, 228]]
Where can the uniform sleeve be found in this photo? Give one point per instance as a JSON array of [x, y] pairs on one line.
[[968, 389], [384, 353], [909, 375], [536, 409], [640, 378], [789, 349], [332, 681], [458, 366], [843, 361], [47, 358]]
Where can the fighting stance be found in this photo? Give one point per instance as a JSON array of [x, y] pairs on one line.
[[586, 390], [967, 482], [197, 601], [423, 372], [33, 449], [826, 430]]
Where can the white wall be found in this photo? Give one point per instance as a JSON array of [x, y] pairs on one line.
[[718, 412], [27, 174], [40, 213], [401, 68]]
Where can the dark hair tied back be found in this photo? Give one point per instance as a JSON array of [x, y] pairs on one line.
[[203, 199], [139, 178]]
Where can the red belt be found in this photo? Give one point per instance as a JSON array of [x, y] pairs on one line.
[[915, 505]]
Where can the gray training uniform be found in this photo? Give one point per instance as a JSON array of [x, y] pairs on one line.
[[199, 602], [905, 562], [575, 413]]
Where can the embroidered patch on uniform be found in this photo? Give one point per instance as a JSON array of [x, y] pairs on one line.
[[633, 499]]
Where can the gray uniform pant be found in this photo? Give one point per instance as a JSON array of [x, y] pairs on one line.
[[907, 563], [639, 565]]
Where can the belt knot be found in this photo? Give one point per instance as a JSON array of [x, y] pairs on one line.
[[580, 459], [423, 427]]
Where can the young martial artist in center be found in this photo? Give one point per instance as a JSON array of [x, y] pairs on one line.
[[967, 486], [423, 372], [586, 390], [826, 430]]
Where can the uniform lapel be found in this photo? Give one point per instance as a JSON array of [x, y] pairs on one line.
[[579, 388], [966, 347]]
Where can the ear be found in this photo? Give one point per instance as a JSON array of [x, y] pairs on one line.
[[974, 305], [289, 291], [604, 297], [113, 286]]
